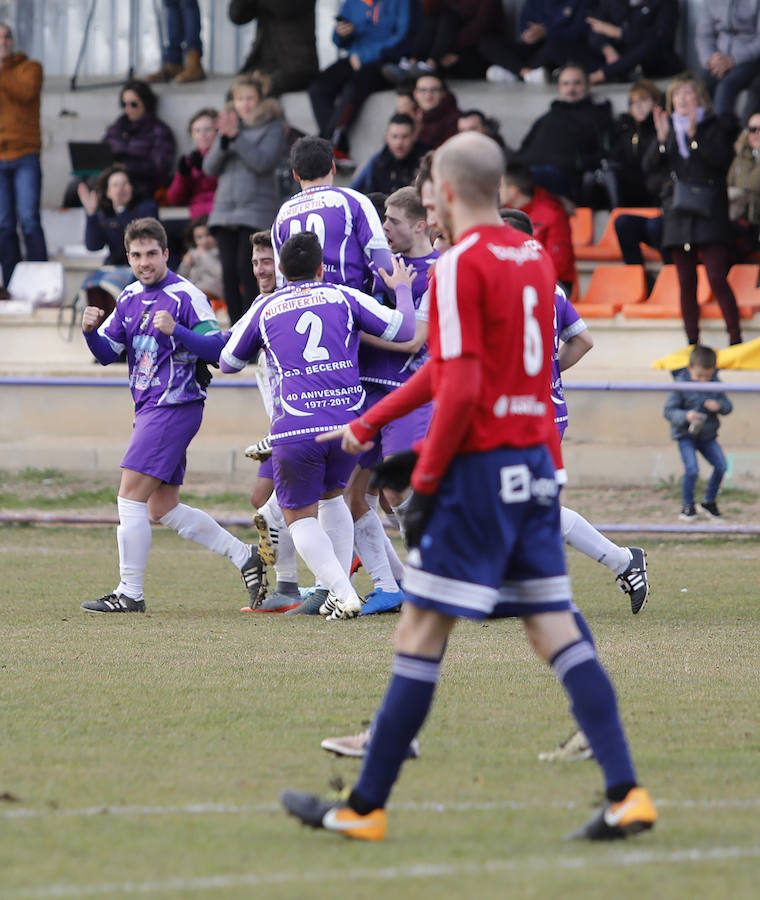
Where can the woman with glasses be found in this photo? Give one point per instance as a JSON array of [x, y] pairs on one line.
[[744, 187]]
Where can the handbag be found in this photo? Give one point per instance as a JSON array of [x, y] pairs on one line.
[[694, 199]]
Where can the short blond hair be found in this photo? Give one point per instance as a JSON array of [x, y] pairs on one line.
[[699, 89]]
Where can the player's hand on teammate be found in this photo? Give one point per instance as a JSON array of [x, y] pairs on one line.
[[394, 472], [163, 321], [91, 318], [349, 442], [401, 274], [416, 517]]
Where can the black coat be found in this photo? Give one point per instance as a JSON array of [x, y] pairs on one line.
[[630, 144], [710, 155], [387, 174]]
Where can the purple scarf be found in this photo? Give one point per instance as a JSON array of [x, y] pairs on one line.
[[680, 126]]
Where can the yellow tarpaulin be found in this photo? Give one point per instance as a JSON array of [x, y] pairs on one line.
[[740, 356]]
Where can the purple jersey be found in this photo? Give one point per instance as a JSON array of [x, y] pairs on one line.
[[348, 228], [161, 372], [567, 323], [390, 368], [310, 332]]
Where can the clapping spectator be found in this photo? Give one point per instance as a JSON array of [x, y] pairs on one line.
[[440, 111], [140, 140], [395, 165], [634, 133], [244, 157]]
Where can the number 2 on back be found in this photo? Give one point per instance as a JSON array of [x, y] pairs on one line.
[[311, 322]]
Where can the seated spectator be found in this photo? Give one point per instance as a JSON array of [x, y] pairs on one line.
[[201, 263], [405, 103], [570, 139], [634, 132], [395, 165], [109, 209], [551, 225], [728, 43], [244, 156], [477, 120], [140, 140], [633, 37], [370, 32], [285, 46], [744, 187], [440, 112], [549, 35]]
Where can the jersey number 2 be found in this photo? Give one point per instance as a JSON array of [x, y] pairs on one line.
[[312, 352]]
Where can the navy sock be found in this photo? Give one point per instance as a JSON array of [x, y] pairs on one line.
[[583, 626], [594, 706], [398, 720]]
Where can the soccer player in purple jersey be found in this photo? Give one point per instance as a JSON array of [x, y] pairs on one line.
[[353, 244], [310, 332], [166, 325]]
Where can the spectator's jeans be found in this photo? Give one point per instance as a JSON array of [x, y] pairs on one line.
[[712, 452], [634, 230], [20, 188], [725, 90], [183, 29]]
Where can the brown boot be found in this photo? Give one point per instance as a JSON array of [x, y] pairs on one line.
[[165, 73], [193, 70]]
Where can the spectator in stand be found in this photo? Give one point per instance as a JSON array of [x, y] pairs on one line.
[[183, 32], [569, 140], [633, 37], [109, 209], [405, 103], [440, 112], [744, 187], [477, 120], [395, 165], [285, 46], [550, 34], [140, 140], [244, 157], [551, 225], [694, 146], [370, 32], [201, 264], [20, 143], [447, 41], [728, 43]]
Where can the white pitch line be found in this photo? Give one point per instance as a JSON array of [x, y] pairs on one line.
[[227, 809], [694, 855]]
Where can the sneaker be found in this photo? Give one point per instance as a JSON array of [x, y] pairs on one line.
[[343, 162], [115, 603], [254, 575], [275, 603], [573, 749], [269, 538], [536, 76], [345, 609], [500, 75], [328, 607], [318, 813], [355, 566], [634, 813], [416, 70], [710, 509], [261, 450], [310, 605], [355, 745], [398, 72], [380, 601], [634, 581], [688, 513]]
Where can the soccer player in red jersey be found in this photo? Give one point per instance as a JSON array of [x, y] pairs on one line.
[[483, 525]]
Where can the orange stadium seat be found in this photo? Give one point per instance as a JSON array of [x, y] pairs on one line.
[[665, 300], [743, 280], [608, 247], [582, 226], [610, 288]]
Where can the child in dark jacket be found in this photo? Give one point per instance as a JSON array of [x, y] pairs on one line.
[[694, 423]]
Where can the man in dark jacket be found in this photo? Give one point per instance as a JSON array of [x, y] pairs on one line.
[[396, 164], [570, 139], [285, 46]]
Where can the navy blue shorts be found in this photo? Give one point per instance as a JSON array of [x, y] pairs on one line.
[[492, 546]]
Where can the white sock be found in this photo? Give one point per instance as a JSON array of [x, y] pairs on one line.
[[582, 535], [316, 550], [335, 518], [372, 500], [195, 525], [369, 538], [394, 561], [399, 512], [133, 537], [286, 566]]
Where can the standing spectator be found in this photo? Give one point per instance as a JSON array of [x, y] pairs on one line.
[[551, 225], [728, 43], [244, 157], [569, 140], [440, 111], [695, 147], [140, 140], [370, 32], [395, 165], [20, 143], [633, 36], [744, 186], [183, 31], [285, 47], [694, 423]]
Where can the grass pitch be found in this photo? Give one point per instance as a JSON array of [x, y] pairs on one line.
[[143, 755]]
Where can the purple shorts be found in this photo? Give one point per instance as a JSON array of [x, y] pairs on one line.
[[266, 469], [304, 471], [398, 435], [160, 438]]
